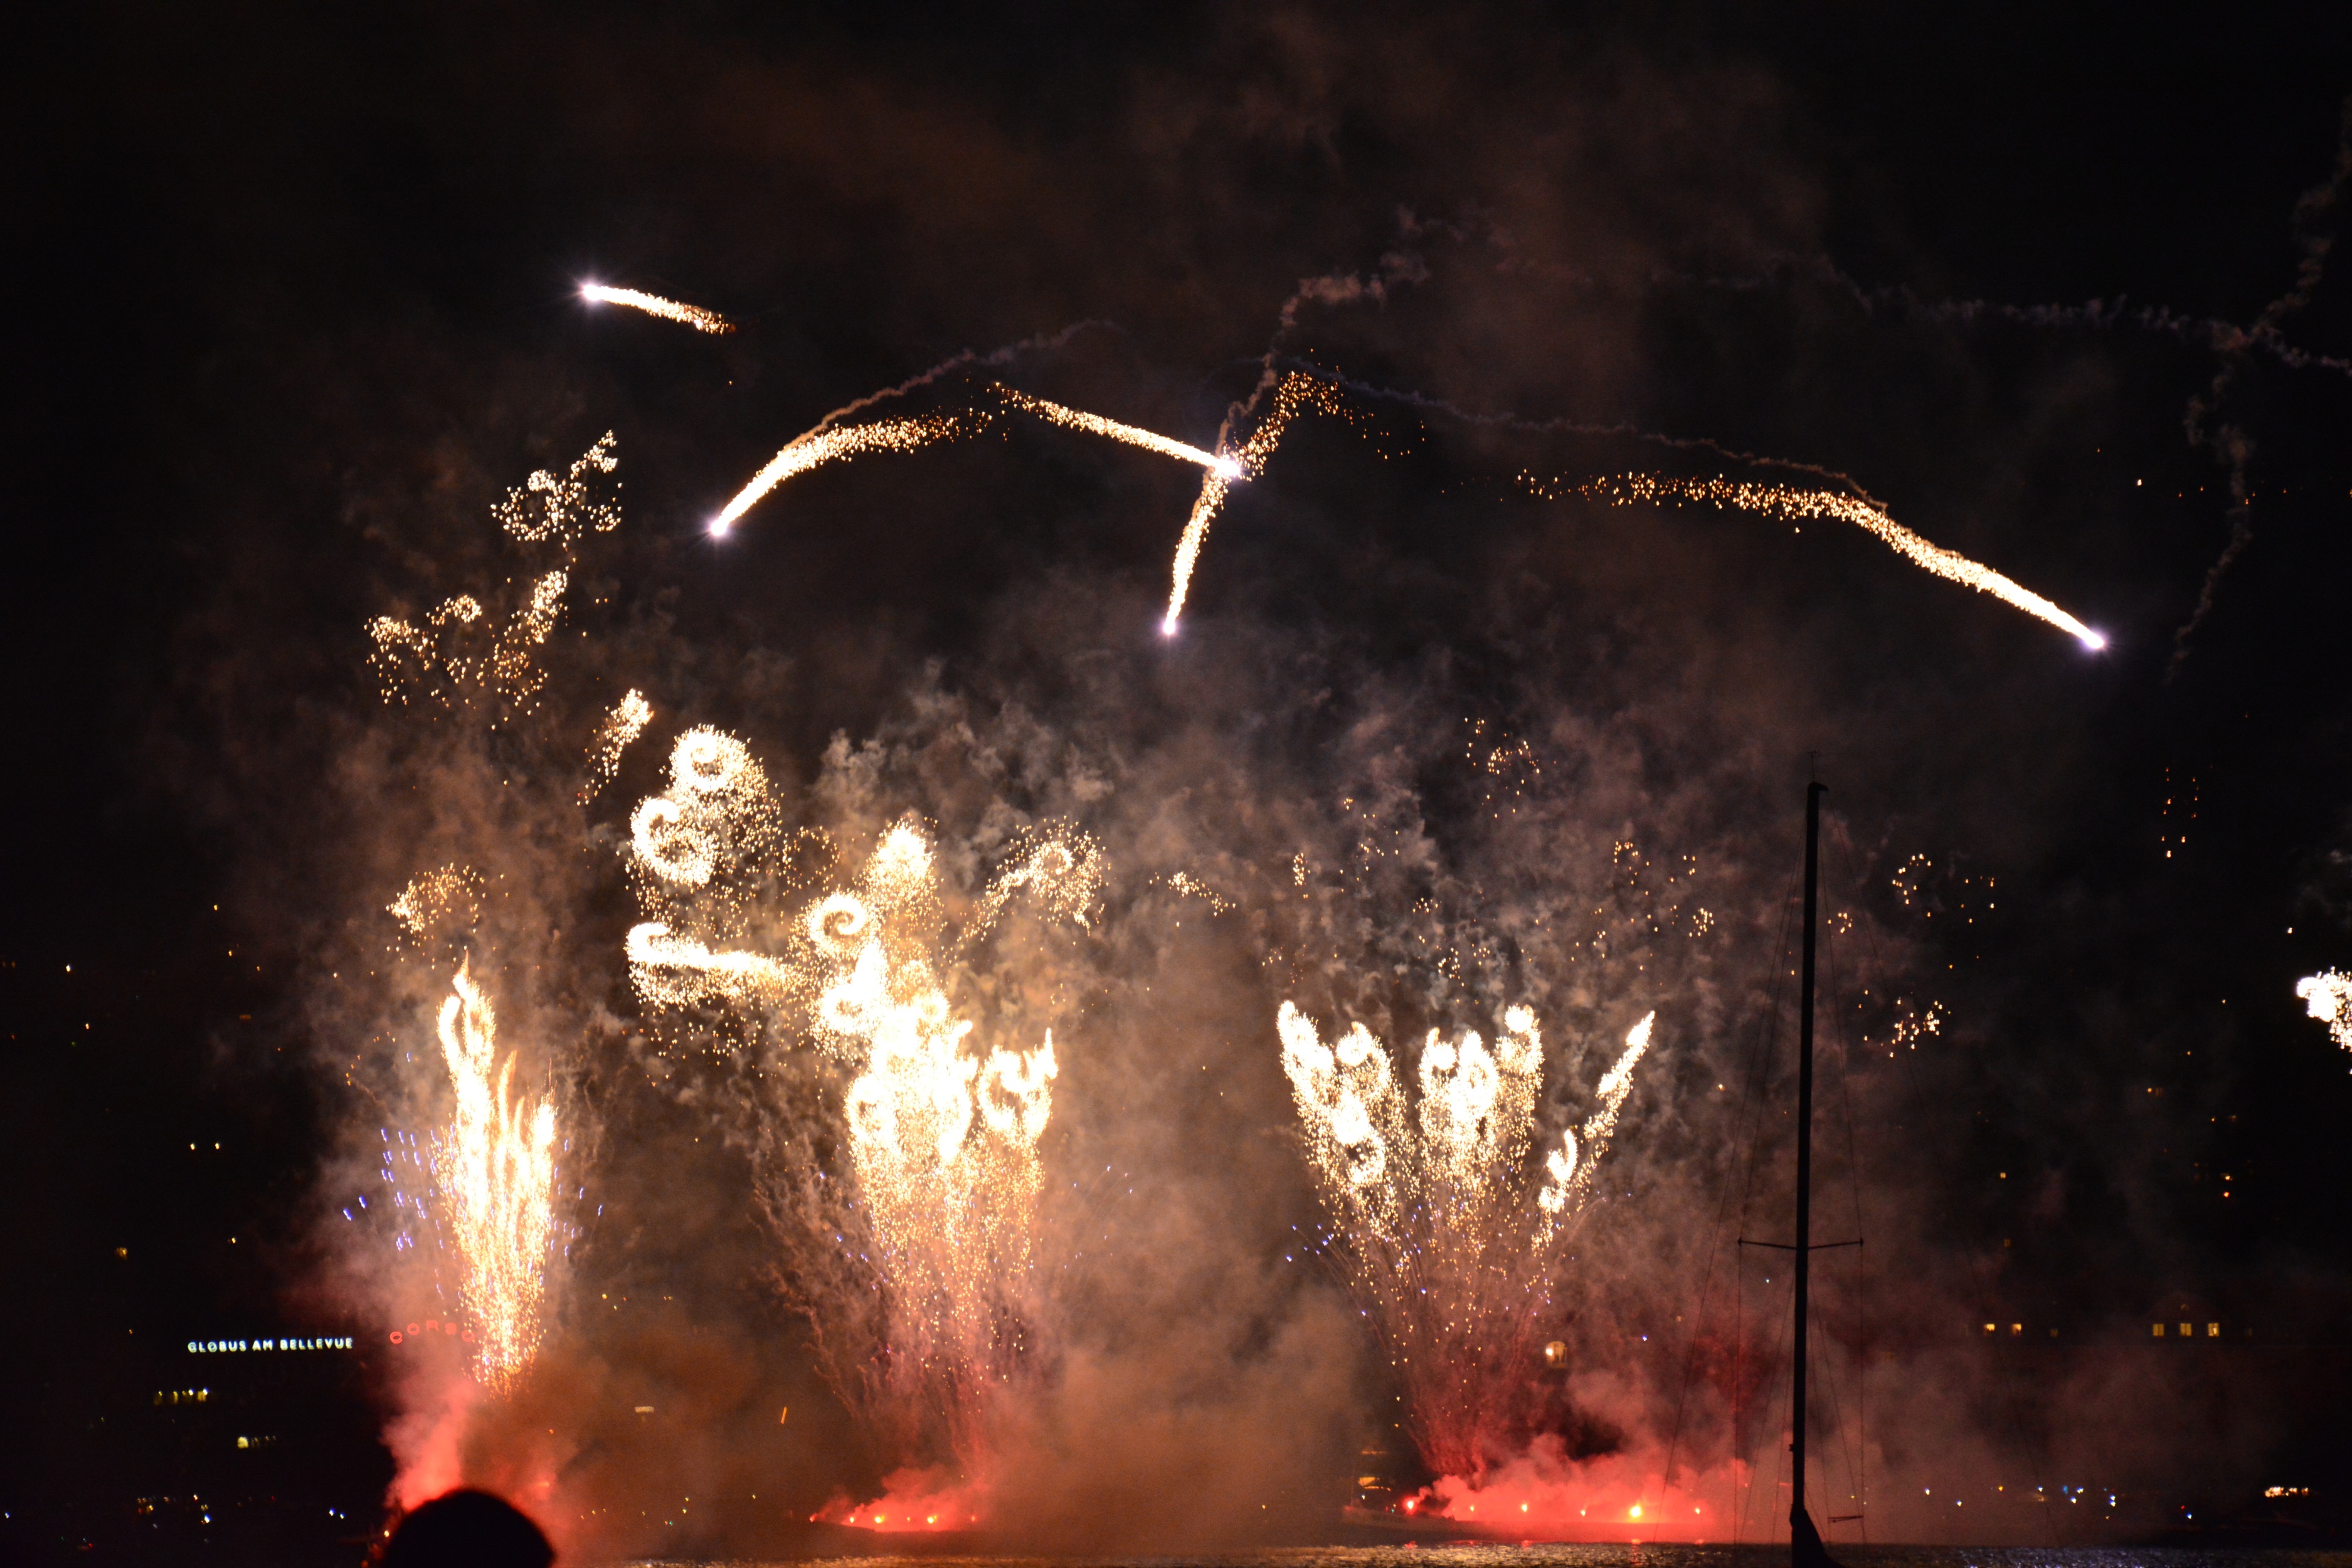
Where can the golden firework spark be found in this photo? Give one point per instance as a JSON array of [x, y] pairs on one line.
[[494, 1169], [825, 445], [622, 725], [941, 1130], [1788, 503], [1058, 872], [461, 652], [1295, 394], [1431, 1197], [694, 316], [943, 1137], [1185, 885], [1225, 468], [447, 899], [829, 443], [2327, 997], [548, 508], [1567, 1179]]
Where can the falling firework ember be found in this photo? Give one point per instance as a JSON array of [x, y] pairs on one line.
[[494, 1172], [941, 1130], [1443, 1240], [694, 316]]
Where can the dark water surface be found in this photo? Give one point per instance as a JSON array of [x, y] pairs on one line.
[[1542, 1555]]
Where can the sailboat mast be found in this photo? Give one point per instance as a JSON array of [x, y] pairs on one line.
[[1800, 1525]]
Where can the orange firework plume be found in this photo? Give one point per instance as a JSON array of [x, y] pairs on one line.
[[494, 1168], [1443, 1243], [940, 1130]]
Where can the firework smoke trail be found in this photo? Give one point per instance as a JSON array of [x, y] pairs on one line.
[[1443, 1242], [1787, 503], [2327, 997], [1420, 402], [2208, 421], [941, 1131], [494, 1169], [694, 316]]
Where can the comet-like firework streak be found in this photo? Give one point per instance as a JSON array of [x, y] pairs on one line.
[[1225, 468], [694, 316], [1292, 394], [822, 446], [1789, 502], [1297, 393]]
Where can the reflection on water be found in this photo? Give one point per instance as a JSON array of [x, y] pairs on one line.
[[1542, 1555]]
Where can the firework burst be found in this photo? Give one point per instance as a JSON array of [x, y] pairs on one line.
[[941, 1128], [1446, 1238], [494, 1172], [2327, 997]]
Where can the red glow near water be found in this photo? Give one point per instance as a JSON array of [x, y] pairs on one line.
[[917, 1502], [1617, 1497]]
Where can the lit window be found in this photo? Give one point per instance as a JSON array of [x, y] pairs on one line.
[[1988, 1327], [2159, 1328], [2212, 1331], [2016, 1329], [2184, 1331]]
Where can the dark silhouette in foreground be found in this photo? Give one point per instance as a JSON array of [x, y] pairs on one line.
[[466, 1529]]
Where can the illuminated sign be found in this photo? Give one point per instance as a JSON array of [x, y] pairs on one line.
[[224, 1347], [430, 1327]]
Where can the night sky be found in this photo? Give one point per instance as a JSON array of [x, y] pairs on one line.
[[294, 304]]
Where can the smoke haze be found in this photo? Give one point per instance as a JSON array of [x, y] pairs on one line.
[[1423, 747]]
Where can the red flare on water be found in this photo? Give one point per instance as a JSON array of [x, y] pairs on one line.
[[916, 1502]]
